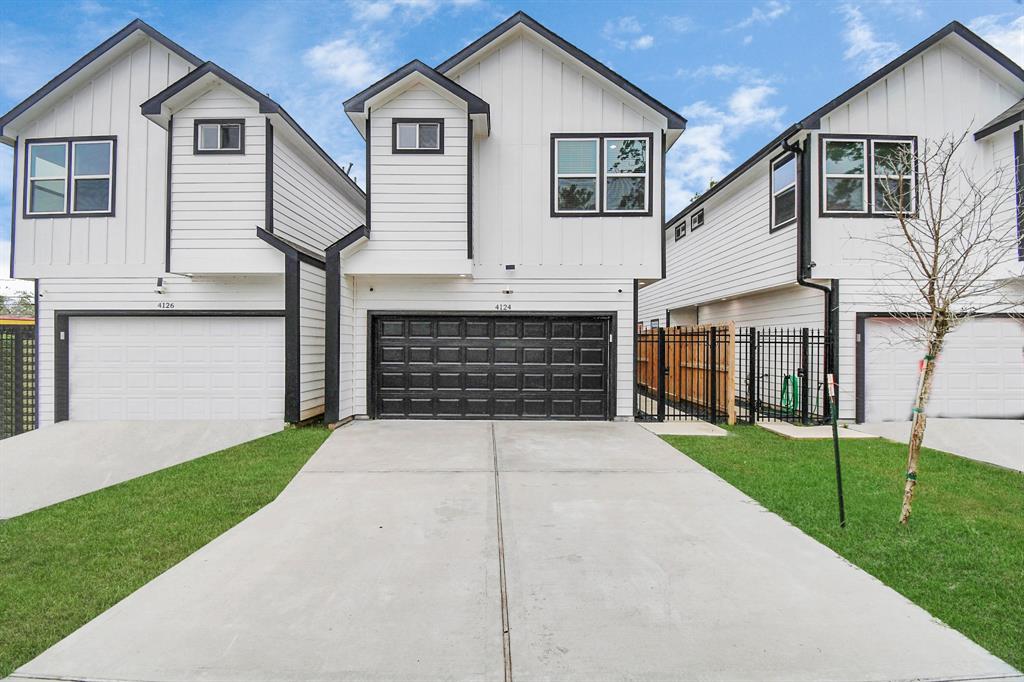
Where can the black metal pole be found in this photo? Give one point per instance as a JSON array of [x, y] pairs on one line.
[[752, 396], [835, 449], [805, 375], [662, 371]]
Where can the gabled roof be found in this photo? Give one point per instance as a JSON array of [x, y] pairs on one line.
[[1015, 114], [813, 120], [157, 107], [104, 47], [675, 120], [476, 105]]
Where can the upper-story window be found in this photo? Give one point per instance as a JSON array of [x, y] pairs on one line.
[[69, 177], [417, 136], [681, 229], [221, 136], [601, 174], [697, 220], [864, 176], [783, 187]]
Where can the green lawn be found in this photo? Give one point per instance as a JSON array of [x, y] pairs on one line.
[[961, 558], [63, 565]]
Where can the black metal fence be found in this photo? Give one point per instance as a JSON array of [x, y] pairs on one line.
[[781, 374], [723, 374], [17, 379]]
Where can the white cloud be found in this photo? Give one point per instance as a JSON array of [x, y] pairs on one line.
[[411, 11], [627, 32], [347, 60], [1005, 34], [764, 14], [702, 154], [724, 72], [748, 39], [680, 24], [863, 47]]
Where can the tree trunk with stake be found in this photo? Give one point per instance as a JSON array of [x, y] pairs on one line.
[[924, 391]]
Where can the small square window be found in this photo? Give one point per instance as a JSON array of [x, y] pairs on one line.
[[681, 229], [220, 137], [417, 137], [697, 220]]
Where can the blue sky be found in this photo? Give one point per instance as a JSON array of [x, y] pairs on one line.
[[739, 71]]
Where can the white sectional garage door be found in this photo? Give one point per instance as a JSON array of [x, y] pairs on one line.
[[980, 372], [176, 368]]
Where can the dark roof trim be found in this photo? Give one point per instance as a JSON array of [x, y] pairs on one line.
[[675, 120], [93, 55], [813, 121], [1015, 114], [290, 249], [348, 240], [152, 107], [758, 156], [953, 27], [475, 104]]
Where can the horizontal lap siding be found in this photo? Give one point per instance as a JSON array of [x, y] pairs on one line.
[[225, 293], [535, 90], [419, 201], [482, 295], [217, 200], [309, 208], [732, 254], [312, 300], [131, 242]]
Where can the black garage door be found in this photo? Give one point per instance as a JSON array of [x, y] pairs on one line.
[[491, 366]]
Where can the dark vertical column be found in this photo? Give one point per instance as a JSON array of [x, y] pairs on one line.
[[713, 366], [805, 374], [662, 370], [752, 382], [18, 343]]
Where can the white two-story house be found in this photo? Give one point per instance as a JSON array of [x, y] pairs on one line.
[[785, 239], [174, 220], [514, 200]]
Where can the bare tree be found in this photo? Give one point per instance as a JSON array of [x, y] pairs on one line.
[[947, 254]]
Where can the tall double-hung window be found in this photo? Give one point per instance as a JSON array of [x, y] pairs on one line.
[[69, 177], [867, 176], [601, 174]]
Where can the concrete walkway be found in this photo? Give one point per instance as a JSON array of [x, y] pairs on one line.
[[995, 441], [58, 462], [609, 555]]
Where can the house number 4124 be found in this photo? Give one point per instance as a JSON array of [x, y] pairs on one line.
[[503, 306]]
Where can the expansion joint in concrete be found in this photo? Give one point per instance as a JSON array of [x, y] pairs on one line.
[[505, 638]]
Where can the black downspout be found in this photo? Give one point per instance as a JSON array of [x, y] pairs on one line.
[[804, 265]]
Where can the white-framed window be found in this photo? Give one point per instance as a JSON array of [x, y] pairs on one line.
[[70, 177], [576, 175], [47, 178], [92, 176], [784, 192], [845, 176], [220, 136], [892, 176], [626, 173], [423, 136], [681, 229], [697, 220]]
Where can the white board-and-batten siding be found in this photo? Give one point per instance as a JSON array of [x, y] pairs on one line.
[[312, 352], [217, 200], [465, 295], [534, 89], [310, 207], [131, 242], [139, 294]]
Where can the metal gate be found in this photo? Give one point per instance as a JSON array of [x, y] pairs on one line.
[[17, 377], [723, 374]]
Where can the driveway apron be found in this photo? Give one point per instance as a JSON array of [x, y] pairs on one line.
[[601, 554]]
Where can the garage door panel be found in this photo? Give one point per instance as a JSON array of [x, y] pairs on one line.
[[176, 367], [529, 367], [980, 372]]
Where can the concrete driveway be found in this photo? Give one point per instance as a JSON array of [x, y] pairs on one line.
[[995, 441], [525, 551], [58, 462]]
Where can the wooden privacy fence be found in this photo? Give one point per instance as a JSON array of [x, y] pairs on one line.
[[17, 376], [687, 373]]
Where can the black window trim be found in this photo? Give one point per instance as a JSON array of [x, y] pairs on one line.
[[601, 211], [781, 159], [680, 228], [395, 149], [240, 122], [869, 161], [694, 226], [68, 143]]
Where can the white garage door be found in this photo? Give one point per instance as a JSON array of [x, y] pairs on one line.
[[979, 374], [176, 368]]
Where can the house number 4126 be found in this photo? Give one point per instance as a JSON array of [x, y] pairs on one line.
[[165, 305]]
